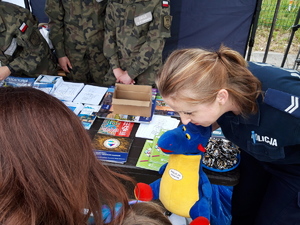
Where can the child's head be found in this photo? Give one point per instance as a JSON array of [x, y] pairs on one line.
[[48, 171], [149, 213]]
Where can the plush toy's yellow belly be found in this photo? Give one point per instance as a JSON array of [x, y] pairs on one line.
[[179, 184]]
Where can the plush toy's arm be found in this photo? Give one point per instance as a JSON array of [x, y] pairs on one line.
[[147, 192], [202, 208], [155, 188], [162, 169]]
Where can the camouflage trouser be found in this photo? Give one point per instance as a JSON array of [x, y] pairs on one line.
[[147, 78], [88, 66]]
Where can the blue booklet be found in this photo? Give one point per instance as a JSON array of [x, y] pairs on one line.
[[11, 81], [111, 148]]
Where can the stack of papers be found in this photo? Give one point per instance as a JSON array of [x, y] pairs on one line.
[[67, 91], [151, 156], [91, 95], [47, 83]]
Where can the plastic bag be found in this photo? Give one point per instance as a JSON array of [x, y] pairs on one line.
[[221, 205]]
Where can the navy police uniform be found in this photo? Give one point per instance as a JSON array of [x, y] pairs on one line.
[[269, 188]]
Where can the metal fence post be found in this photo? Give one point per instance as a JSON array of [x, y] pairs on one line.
[[26, 2], [294, 29], [271, 31], [253, 29]]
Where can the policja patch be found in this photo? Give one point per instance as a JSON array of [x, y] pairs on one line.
[[283, 101]]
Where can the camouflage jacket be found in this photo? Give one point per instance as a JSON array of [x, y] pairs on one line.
[[22, 46], [75, 21], [135, 32]]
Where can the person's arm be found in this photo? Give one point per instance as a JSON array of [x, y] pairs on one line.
[[33, 45], [110, 48], [65, 64], [54, 9], [153, 47], [122, 76], [4, 72]]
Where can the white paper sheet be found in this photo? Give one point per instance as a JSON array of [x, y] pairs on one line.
[[157, 123], [67, 91], [91, 95]]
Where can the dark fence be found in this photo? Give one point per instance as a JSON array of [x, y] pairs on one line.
[[279, 17], [276, 15], [287, 13]]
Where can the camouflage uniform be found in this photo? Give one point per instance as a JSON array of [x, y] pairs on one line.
[[77, 31], [22, 47], [135, 32]]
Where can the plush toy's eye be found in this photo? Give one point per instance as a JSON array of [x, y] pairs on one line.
[[188, 136], [183, 128]]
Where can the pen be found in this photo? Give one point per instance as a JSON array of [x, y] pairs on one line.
[[253, 136]]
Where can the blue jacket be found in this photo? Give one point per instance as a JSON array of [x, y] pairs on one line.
[[273, 134]]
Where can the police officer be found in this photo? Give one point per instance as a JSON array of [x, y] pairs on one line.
[[257, 106], [77, 34], [135, 32], [23, 50], [269, 188]]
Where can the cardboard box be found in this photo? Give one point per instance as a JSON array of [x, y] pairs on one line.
[[132, 100]]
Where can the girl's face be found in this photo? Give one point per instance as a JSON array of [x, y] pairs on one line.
[[204, 114]]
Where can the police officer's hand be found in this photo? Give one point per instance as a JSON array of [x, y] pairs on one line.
[[4, 72], [65, 64]]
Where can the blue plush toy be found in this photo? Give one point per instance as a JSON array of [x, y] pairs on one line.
[[184, 188]]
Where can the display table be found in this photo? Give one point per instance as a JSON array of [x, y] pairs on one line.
[[229, 178]]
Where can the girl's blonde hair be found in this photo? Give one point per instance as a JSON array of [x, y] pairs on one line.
[[203, 73]]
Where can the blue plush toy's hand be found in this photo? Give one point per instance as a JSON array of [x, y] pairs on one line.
[[162, 169], [200, 221], [143, 192]]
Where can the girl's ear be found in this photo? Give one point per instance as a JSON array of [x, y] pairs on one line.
[[222, 96]]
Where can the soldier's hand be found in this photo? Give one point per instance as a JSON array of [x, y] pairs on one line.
[[65, 64], [126, 79], [4, 72], [122, 76], [118, 72]]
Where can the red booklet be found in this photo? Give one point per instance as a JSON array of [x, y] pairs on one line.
[[116, 128]]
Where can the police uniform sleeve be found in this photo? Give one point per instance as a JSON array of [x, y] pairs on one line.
[[110, 48], [33, 45], [159, 29], [54, 9]]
